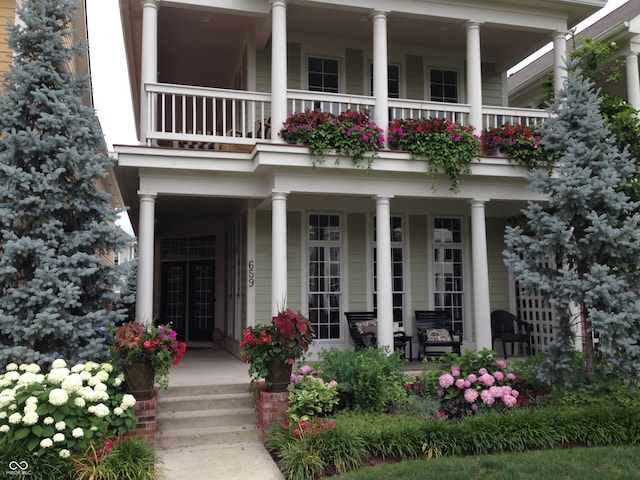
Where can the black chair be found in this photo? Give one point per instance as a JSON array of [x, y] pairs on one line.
[[363, 327], [435, 330], [510, 329]]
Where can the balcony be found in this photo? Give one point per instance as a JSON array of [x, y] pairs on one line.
[[209, 118]]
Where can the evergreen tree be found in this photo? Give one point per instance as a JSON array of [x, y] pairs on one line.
[[56, 226], [589, 231]]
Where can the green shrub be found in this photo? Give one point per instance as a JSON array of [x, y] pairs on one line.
[[369, 380], [310, 395]]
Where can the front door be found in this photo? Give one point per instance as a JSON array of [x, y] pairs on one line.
[[188, 298]]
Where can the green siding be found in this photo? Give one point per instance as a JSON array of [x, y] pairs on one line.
[[354, 68], [294, 67], [356, 252], [263, 266], [498, 273], [415, 77], [491, 85], [419, 260], [263, 70], [294, 262]]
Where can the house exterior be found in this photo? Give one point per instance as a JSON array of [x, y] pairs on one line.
[[621, 26], [233, 223]]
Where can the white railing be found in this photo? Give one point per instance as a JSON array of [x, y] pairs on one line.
[[179, 115], [198, 114], [496, 116]]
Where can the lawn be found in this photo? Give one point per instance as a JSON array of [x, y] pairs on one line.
[[597, 463]]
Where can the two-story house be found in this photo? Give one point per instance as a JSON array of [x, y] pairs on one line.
[[233, 223]]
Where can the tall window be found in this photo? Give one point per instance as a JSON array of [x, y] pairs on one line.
[[443, 85], [393, 80], [448, 269], [397, 269], [325, 283]]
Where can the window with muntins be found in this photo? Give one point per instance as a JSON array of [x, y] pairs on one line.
[[397, 269], [323, 74], [324, 240], [448, 268], [443, 85]]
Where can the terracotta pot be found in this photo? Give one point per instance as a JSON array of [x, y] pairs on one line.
[[139, 378], [279, 375]]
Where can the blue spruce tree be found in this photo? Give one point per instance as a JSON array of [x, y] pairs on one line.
[[581, 250], [56, 226]]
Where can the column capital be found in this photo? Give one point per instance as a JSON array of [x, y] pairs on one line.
[[150, 3], [278, 3], [478, 201], [379, 13], [280, 194], [383, 198], [473, 24], [559, 34], [147, 195]]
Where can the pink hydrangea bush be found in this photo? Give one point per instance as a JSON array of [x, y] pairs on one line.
[[474, 382]]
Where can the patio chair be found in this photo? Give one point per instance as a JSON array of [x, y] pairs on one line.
[[435, 331], [510, 329], [363, 327]]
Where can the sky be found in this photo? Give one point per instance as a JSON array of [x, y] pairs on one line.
[[111, 93]]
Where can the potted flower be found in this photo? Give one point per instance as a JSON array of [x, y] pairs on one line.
[[351, 133], [146, 354], [443, 142], [272, 349], [518, 142]]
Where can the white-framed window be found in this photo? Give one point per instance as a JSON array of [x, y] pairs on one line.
[[443, 85], [324, 292], [448, 269], [397, 269], [393, 80]]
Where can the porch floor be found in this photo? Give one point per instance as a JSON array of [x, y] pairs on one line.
[[208, 366]]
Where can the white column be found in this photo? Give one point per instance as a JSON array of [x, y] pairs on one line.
[[144, 289], [278, 67], [149, 67], [383, 272], [278, 251], [474, 76], [559, 60], [380, 71], [633, 80], [481, 304]]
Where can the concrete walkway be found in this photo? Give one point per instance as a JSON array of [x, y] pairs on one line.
[[246, 461]]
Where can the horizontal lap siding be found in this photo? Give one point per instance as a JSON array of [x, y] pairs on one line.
[[498, 273], [356, 251], [419, 260], [263, 266]]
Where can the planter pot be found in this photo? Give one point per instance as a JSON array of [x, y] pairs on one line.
[[139, 379], [279, 375]]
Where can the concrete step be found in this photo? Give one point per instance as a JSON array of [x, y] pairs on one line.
[[189, 416], [204, 402], [204, 390], [205, 418], [190, 437]]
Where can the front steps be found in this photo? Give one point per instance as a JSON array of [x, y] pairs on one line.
[[205, 415]]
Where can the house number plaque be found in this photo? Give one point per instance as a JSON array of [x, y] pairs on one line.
[[252, 273]]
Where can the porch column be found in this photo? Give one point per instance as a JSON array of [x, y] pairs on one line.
[[380, 71], [481, 304], [278, 67], [383, 272], [144, 288], [559, 60], [149, 67], [278, 251], [633, 80], [474, 76]]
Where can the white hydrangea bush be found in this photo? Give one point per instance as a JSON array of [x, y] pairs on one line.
[[66, 408]]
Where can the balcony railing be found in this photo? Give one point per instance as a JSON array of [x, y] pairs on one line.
[[180, 115]]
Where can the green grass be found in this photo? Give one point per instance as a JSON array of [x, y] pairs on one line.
[[598, 463]]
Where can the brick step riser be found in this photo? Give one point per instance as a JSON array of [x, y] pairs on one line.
[[184, 441], [165, 424]]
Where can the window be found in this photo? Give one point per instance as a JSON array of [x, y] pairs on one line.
[[323, 75], [393, 80], [448, 269], [397, 269], [325, 283], [444, 85]]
